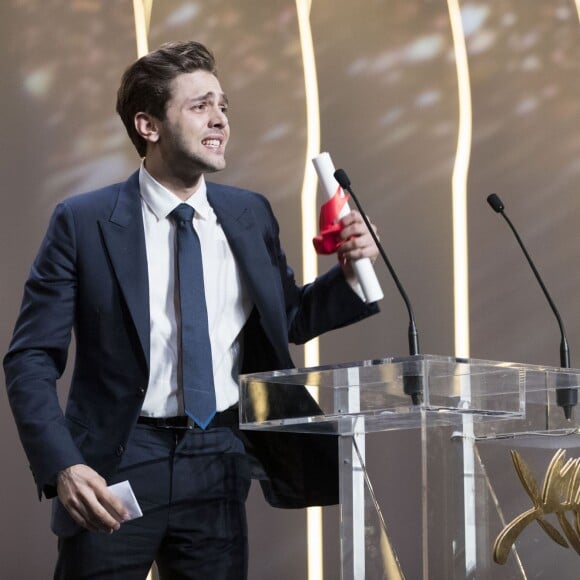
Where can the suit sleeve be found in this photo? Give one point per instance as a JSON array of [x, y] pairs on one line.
[[325, 304], [37, 355]]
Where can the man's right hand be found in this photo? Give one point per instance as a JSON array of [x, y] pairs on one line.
[[84, 494]]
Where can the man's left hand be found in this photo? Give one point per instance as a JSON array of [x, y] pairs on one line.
[[358, 243]]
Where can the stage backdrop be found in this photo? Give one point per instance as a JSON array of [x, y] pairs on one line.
[[390, 115]]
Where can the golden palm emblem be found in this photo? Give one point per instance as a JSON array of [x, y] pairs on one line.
[[560, 494]]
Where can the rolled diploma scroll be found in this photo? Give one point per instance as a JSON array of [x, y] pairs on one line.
[[363, 267]]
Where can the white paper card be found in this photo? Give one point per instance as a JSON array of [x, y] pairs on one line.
[[124, 492]]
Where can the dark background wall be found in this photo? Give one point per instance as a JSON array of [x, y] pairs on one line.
[[389, 114]]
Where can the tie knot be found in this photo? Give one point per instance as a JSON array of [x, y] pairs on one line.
[[182, 213]]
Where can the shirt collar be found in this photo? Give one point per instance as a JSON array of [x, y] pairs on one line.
[[162, 202]]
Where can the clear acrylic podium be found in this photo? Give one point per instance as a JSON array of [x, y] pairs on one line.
[[428, 477]]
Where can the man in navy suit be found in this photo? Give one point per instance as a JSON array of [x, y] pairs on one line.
[[107, 268]]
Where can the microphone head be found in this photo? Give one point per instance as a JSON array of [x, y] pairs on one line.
[[495, 202], [342, 178]]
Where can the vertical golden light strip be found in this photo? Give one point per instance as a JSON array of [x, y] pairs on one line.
[[309, 184], [461, 271], [142, 13], [459, 185], [578, 8], [309, 226]]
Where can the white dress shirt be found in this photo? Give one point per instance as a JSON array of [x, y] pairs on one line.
[[227, 299]]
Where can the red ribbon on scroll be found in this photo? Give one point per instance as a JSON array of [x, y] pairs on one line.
[[329, 239]]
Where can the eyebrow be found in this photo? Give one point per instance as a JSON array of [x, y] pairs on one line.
[[209, 95]]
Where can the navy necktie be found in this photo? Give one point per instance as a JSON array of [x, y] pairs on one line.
[[196, 363]]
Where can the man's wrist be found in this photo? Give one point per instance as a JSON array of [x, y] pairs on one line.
[[65, 472]]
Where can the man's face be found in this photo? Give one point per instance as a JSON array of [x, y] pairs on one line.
[[195, 131]]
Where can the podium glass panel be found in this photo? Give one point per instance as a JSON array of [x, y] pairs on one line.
[[456, 489]]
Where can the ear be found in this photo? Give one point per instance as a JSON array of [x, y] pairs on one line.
[[147, 126]]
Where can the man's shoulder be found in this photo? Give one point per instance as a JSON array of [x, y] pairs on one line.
[[220, 188], [95, 195], [231, 196], [102, 198]]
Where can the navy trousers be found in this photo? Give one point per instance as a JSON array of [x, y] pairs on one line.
[[192, 486]]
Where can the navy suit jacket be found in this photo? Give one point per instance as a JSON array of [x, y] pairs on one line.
[[90, 275]]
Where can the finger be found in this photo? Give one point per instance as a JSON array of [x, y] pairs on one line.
[[357, 247], [99, 518], [113, 505], [350, 218], [83, 491], [354, 229], [91, 513], [84, 516], [355, 219], [356, 254], [80, 519], [351, 232], [357, 242]]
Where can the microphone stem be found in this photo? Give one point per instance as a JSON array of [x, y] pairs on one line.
[[566, 398], [413, 335], [413, 338], [564, 352]]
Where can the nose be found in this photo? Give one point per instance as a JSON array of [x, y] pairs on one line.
[[218, 118]]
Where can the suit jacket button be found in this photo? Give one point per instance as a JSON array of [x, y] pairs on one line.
[[142, 391], [120, 450]]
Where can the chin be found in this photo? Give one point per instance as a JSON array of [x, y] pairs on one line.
[[215, 166]]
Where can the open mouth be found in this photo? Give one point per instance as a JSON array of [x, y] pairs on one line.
[[212, 143]]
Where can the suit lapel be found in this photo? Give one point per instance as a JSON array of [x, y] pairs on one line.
[[244, 235], [125, 241]]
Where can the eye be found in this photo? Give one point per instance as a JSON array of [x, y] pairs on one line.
[[224, 109], [199, 106]]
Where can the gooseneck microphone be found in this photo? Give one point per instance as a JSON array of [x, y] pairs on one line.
[[412, 386], [566, 398]]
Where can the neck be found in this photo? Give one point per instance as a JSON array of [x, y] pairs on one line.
[[182, 186]]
